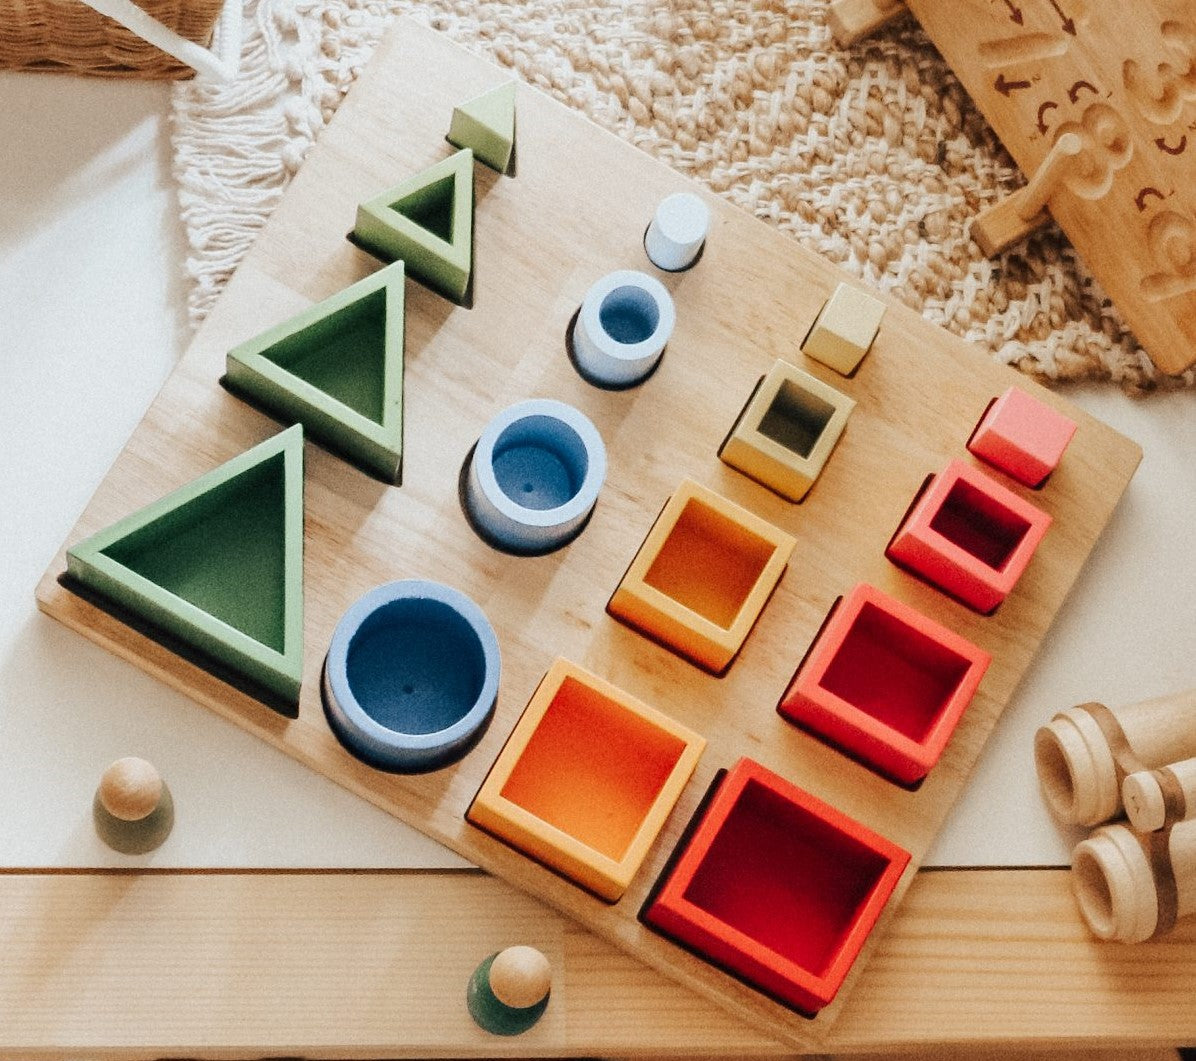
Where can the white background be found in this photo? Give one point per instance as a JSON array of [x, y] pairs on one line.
[[92, 320]]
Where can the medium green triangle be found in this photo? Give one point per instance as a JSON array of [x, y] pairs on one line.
[[217, 564], [336, 368], [426, 222], [486, 125]]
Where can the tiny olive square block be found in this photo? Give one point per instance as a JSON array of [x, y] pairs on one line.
[[776, 886], [587, 779], [969, 536], [702, 576], [1023, 437], [845, 328], [885, 683], [786, 431]]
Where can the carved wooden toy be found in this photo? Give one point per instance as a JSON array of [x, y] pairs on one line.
[[540, 242], [787, 430], [1156, 799], [885, 683], [1122, 79], [844, 329], [622, 328], [1084, 753], [336, 368], [677, 232], [426, 222], [133, 810], [1132, 888], [702, 576], [587, 779], [509, 992], [1022, 436], [486, 125], [776, 886], [534, 476], [411, 676], [217, 567], [970, 536]]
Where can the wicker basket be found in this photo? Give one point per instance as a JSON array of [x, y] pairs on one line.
[[67, 35]]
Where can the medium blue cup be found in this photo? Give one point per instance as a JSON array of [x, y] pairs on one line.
[[411, 678]]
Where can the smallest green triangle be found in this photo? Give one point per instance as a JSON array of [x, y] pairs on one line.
[[337, 369], [217, 567], [427, 223], [486, 125]]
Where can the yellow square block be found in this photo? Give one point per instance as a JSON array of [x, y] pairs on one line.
[[702, 576], [587, 779], [787, 430], [845, 328]]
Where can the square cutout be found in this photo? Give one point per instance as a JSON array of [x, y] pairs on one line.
[[885, 683], [776, 886], [787, 430], [969, 536], [702, 576], [586, 780]]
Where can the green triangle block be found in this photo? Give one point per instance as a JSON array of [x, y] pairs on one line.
[[336, 368], [427, 222], [217, 564], [486, 125]]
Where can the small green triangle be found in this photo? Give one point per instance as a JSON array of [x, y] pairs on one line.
[[426, 222], [217, 564], [486, 125], [336, 368]]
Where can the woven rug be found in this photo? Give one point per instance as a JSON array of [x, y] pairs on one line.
[[873, 156]]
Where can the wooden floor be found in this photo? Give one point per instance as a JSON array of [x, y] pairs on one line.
[[369, 965]]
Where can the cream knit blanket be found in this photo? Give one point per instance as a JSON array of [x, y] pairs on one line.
[[873, 156]]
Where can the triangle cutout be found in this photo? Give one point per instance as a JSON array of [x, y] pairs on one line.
[[218, 566], [426, 222], [336, 368], [486, 125]]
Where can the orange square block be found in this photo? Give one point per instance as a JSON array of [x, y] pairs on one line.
[[1023, 437], [586, 780], [969, 536], [776, 886], [702, 576], [885, 683]]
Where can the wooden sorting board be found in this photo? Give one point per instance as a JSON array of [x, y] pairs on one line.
[[1122, 76], [577, 209]]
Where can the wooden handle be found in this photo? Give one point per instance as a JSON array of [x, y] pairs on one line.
[[130, 789], [1046, 179], [1157, 798]]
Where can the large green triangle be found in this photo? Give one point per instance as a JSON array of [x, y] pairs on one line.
[[486, 125], [426, 222], [336, 368], [218, 565]]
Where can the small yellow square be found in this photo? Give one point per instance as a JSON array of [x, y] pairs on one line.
[[702, 576], [845, 329], [786, 431]]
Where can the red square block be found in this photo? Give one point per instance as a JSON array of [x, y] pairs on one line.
[[1022, 437], [885, 683], [969, 536], [777, 887]]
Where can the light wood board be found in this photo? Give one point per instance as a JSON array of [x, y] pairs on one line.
[[577, 209], [366, 965], [1122, 76]]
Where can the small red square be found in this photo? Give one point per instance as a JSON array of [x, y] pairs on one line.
[[969, 536], [886, 683], [777, 887], [1022, 436]]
